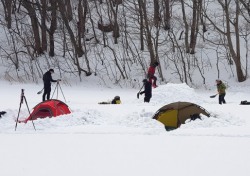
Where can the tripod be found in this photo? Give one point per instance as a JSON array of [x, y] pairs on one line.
[[21, 102], [58, 86]]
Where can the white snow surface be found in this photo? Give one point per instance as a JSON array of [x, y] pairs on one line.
[[124, 140]]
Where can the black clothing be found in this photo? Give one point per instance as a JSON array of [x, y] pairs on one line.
[[147, 91], [2, 113], [47, 91], [221, 98], [147, 99], [47, 79]]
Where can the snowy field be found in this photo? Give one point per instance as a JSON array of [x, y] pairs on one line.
[[124, 140]]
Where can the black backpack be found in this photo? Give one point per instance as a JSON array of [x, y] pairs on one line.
[[245, 102]]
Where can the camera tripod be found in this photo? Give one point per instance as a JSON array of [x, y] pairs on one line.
[[58, 86], [21, 102]]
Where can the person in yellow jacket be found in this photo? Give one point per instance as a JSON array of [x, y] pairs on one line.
[[221, 88]]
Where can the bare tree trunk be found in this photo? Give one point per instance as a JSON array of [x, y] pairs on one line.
[[141, 24], [62, 10], [85, 6], [80, 23], [34, 23], [53, 26], [68, 9], [116, 33], [235, 54], [148, 34], [167, 15], [193, 27], [246, 6], [186, 27], [157, 17], [43, 24], [7, 5]]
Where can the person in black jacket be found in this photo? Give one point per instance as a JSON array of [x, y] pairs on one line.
[[147, 90], [47, 79]]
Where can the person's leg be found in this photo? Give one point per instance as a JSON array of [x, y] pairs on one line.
[[223, 98], [146, 99], [45, 93], [155, 79], [220, 99], [48, 94], [44, 96]]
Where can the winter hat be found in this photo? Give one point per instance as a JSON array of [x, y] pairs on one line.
[[117, 98], [51, 70]]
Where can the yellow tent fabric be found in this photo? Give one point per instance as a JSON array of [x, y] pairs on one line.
[[169, 118], [175, 114]]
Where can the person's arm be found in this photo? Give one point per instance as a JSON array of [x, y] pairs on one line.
[[52, 80], [142, 92]]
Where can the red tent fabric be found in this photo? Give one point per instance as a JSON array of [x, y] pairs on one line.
[[49, 108]]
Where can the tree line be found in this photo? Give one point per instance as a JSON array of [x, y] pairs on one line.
[[118, 39]]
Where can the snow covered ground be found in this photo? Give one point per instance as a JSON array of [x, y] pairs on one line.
[[124, 140]]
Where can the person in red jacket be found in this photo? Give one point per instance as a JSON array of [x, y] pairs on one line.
[[151, 74]]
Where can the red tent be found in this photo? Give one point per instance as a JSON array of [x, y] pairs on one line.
[[49, 108]]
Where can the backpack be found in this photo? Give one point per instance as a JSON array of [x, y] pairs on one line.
[[245, 102]]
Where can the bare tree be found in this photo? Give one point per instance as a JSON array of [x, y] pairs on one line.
[[234, 47], [7, 5], [43, 24], [186, 26], [157, 17], [62, 10], [141, 24], [34, 23], [148, 33], [114, 11], [53, 26], [167, 16], [194, 26]]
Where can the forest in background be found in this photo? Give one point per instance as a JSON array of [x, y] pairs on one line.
[[116, 40]]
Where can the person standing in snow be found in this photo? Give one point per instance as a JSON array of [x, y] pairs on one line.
[[151, 74], [147, 90], [47, 79], [221, 88]]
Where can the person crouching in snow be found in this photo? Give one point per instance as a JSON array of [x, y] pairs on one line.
[[147, 90], [151, 74], [221, 88], [116, 100]]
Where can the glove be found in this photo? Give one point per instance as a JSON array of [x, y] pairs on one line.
[[58, 80], [141, 93]]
